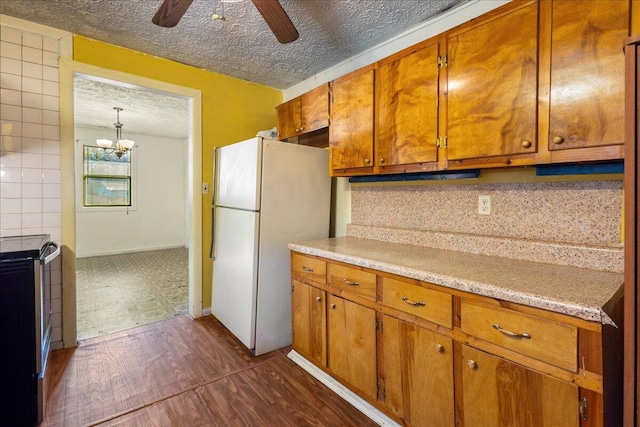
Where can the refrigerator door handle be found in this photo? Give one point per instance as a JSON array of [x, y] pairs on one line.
[[214, 192]]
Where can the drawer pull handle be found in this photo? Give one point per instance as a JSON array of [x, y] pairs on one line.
[[510, 334], [413, 303], [350, 283], [310, 270]]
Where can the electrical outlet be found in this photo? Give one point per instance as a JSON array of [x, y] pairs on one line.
[[484, 205], [205, 188]]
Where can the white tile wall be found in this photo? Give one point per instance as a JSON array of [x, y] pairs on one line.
[[30, 145]]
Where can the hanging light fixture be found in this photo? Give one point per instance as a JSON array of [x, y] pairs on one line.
[[122, 145]]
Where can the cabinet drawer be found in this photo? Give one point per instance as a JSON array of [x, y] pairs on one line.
[[352, 280], [543, 339], [310, 268], [428, 304]]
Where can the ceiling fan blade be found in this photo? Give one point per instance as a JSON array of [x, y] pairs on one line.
[[277, 19], [170, 12]]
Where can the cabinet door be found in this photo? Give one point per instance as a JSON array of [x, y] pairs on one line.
[[314, 109], [496, 392], [407, 102], [587, 73], [351, 130], [288, 118], [418, 374], [309, 317], [492, 86], [352, 345]]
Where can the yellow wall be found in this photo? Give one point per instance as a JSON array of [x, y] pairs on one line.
[[232, 110]]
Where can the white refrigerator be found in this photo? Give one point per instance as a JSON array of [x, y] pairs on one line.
[[266, 194]]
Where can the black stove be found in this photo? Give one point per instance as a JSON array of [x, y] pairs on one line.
[[17, 247], [25, 325]]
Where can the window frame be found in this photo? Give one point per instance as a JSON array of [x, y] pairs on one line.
[[80, 182]]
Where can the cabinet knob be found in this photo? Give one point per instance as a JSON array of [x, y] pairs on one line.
[[526, 143], [472, 364], [367, 161], [333, 306], [439, 348], [301, 128], [318, 299], [381, 160], [558, 139]]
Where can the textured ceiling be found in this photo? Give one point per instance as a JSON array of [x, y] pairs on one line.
[[242, 46], [144, 112]]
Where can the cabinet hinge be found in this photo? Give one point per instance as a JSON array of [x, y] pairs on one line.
[[331, 97], [443, 61], [379, 325], [583, 408], [442, 142]]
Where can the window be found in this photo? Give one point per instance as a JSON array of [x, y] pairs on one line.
[[107, 178]]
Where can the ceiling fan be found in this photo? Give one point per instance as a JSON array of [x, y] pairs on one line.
[[170, 12]]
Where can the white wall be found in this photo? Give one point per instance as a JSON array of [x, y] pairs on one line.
[[158, 218]]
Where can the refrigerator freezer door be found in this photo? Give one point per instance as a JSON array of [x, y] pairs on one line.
[[239, 175], [235, 271]]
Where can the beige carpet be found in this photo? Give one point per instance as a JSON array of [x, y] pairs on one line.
[[118, 292]]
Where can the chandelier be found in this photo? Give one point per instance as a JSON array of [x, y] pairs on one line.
[[122, 145]]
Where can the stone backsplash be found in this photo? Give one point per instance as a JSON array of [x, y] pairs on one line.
[[565, 223]]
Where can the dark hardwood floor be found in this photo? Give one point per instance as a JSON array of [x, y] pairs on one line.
[[184, 372]]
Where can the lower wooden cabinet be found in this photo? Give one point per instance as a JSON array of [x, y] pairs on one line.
[[428, 356], [496, 392], [352, 344], [309, 314], [417, 365]]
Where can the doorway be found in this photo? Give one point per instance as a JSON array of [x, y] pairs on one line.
[[193, 211], [131, 207]]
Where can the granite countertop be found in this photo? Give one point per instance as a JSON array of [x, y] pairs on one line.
[[577, 292]]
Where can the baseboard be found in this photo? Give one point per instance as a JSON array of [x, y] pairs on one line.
[[359, 403], [129, 251]]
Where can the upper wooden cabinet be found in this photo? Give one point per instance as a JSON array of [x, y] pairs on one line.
[[492, 86], [407, 109], [303, 114], [532, 82], [351, 130], [586, 98]]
